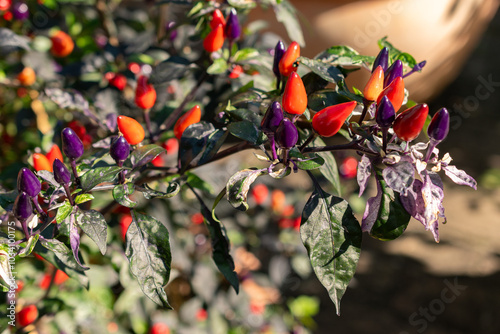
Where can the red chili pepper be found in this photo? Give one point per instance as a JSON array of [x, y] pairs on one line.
[[294, 97], [40, 162], [62, 44], [329, 120], [410, 122], [286, 63], [217, 18], [236, 71], [190, 117], [375, 84], [260, 193], [349, 168], [395, 92], [215, 39], [159, 328], [145, 94], [124, 223], [120, 81], [54, 153], [27, 315], [131, 130]]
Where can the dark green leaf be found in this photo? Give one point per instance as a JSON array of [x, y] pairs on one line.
[[342, 89], [63, 211], [239, 185], [325, 70], [304, 162], [196, 182], [98, 175], [173, 68], [193, 141], [215, 141], [329, 168], [148, 251], [94, 225], [245, 130], [145, 154], [7, 199], [172, 190], [286, 14], [313, 83], [332, 237], [121, 193], [325, 98]]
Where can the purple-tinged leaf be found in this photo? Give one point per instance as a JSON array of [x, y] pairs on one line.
[[371, 210], [364, 172], [413, 201], [460, 177], [94, 225], [238, 186], [145, 154], [99, 175], [74, 240], [399, 177]]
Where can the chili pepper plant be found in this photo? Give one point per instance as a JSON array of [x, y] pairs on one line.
[[115, 120]]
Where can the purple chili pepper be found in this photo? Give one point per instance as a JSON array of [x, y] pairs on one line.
[[61, 172], [169, 28], [272, 118], [71, 144], [20, 11], [385, 114], [287, 134], [439, 126], [279, 51], [233, 28], [27, 182], [382, 59], [393, 72], [23, 209], [120, 149]]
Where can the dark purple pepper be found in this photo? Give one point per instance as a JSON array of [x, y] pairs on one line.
[[72, 146], [120, 149], [279, 51], [393, 72], [20, 11], [385, 114], [233, 28], [272, 118], [61, 172], [27, 182], [439, 125], [287, 134], [172, 33], [382, 59], [23, 208]]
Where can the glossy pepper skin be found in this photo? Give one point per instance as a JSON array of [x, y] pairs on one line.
[[382, 59], [410, 122], [233, 28], [23, 208], [192, 116], [328, 121], [54, 153], [145, 93], [40, 162], [375, 84], [217, 18], [395, 92], [120, 149], [294, 97], [28, 182], [61, 172], [439, 126], [272, 118], [385, 114], [393, 72], [286, 63], [286, 134], [72, 146], [279, 51], [62, 44], [130, 129], [27, 315], [214, 40]]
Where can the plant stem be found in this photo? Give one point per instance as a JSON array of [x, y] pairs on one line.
[[312, 136], [75, 173], [354, 145], [384, 139], [68, 195], [431, 147], [147, 119], [366, 106], [38, 207]]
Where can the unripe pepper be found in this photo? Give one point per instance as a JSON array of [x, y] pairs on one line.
[[393, 72], [23, 208], [27, 315], [40, 162], [375, 84], [27, 182], [233, 28], [120, 150], [54, 153], [385, 114], [61, 172], [272, 118], [72, 145], [328, 121], [382, 59], [217, 18], [286, 63], [410, 122], [27, 77], [279, 51], [192, 116], [439, 126], [62, 44], [214, 40], [287, 134], [130, 129], [395, 92], [145, 93], [294, 97]]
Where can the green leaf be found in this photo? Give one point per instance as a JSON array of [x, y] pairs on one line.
[[30, 245], [245, 54], [214, 143], [238, 186], [7, 199], [395, 54], [172, 190], [83, 198], [325, 98], [193, 141], [173, 68], [148, 251], [196, 182], [329, 168], [220, 243], [332, 237], [245, 130], [121, 193], [323, 69], [98, 175], [219, 66], [94, 225], [63, 211], [242, 4], [144, 154], [392, 219], [306, 163], [286, 14]]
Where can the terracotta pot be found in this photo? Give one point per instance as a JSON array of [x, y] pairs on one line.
[[443, 32]]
